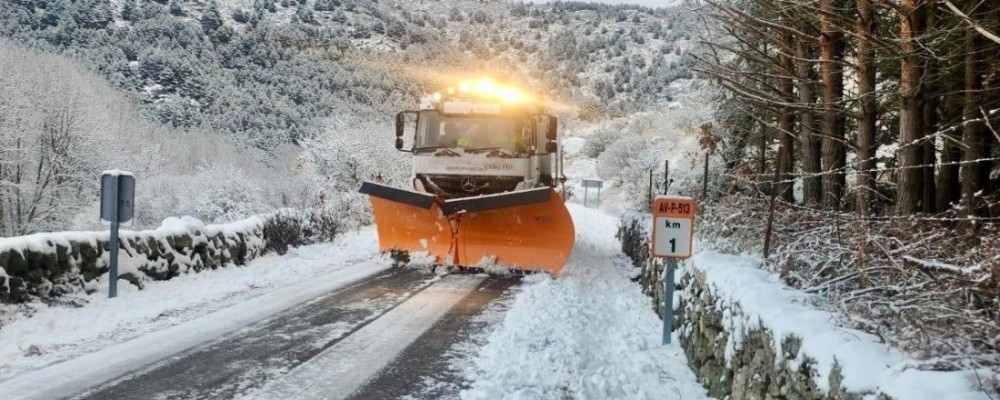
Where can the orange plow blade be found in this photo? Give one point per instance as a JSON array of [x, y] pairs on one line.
[[409, 221], [527, 230], [537, 236]]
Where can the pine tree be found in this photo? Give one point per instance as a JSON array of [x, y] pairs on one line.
[[176, 9], [211, 19]]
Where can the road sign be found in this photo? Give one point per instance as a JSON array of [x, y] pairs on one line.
[[673, 237], [123, 194], [673, 226], [591, 183], [117, 206]]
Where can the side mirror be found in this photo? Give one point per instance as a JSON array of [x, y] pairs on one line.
[[400, 127], [551, 147], [552, 128]]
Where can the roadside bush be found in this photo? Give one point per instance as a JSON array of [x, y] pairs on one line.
[[292, 228], [598, 142], [321, 226], [929, 286], [282, 230], [626, 163]]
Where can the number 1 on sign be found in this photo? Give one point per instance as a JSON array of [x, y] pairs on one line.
[[672, 237]]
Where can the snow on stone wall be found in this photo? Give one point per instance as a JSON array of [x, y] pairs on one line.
[[748, 336], [48, 265]]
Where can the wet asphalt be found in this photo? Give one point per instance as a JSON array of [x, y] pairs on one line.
[[243, 361]]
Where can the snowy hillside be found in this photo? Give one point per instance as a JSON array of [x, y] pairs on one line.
[[622, 151], [307, 90], [270, 71]]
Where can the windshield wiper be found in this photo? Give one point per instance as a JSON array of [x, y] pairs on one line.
[[493, 152], [480, 150], [429, 148], [447, 152]]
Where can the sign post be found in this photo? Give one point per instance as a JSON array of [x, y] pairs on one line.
[[591, 183], [673, 239], [117, 209]]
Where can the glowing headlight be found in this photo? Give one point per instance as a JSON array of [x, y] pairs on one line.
[[511, 95], [487, 88]]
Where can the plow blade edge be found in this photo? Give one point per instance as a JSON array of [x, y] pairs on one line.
[[409, 221], [496, 201], [536, 235]]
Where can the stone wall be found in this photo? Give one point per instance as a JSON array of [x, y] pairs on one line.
[[50, 265], [732, 359]]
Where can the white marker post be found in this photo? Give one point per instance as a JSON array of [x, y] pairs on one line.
[[673, 239]]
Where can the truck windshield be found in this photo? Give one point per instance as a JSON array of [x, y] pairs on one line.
[[470, 133]]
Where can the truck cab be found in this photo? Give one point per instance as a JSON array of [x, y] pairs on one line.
[[467, 145]]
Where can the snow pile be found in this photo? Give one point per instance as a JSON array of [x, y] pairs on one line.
[[588, 334], [750, 298], [61, 332]]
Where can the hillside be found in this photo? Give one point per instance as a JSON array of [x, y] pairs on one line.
[[286, 102], [269, 72]]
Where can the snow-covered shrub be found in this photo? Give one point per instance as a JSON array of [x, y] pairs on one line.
[[222, 194], [931, 287], [626, 163], [321, 226], [599, 142], [281, 231], [352, 209], [291, 228]]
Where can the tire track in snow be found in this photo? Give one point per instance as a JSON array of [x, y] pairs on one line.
[[356, 360], [249, 358], [427, 369]]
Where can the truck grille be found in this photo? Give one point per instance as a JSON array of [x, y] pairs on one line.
[[457, 186]]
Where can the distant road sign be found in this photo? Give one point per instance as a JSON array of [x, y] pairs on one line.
[[117, 209], [591, 183], [673, 226], [122, 193]]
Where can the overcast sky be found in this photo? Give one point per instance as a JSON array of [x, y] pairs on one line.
[[647, 3]]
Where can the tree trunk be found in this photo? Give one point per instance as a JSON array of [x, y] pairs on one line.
[[831, 58], [929, 94], [974, 173], [786, 119], [762, 150], [991, 88], [735, 154], [948, 189], [866, 29], [910, 182], [805, 76]]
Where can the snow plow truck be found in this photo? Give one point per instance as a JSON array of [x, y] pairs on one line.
[[484, 186]]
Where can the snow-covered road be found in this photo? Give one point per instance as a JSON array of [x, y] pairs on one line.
[[60, 332], [400, 333], [344, 368], [590, 334]]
